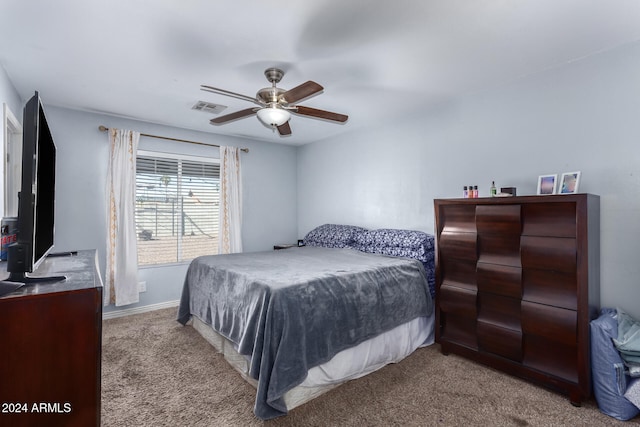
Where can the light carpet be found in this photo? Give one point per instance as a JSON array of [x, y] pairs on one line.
[[156, 372]]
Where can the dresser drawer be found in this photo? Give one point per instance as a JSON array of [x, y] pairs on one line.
[[503, 342], [458, 273], [458, 245], [499, 279], [498, 219], [457, 219], [496, 249], [549, 253], [556, 219], [458, 300], [499, 310], [551, 323], [552, 357], [555, 288], [459, 330]]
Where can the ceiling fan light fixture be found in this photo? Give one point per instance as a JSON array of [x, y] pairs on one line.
[[273, 116]]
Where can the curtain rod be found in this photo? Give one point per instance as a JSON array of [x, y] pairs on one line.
[[104, 129]]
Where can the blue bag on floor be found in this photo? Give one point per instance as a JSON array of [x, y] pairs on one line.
[[607, 368]]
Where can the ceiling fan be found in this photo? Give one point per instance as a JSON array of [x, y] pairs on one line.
[[275, 105]]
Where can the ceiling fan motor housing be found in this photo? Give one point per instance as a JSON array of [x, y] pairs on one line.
[[270, 95]]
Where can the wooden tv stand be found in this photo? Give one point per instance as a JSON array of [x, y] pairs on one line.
[[50, 346]]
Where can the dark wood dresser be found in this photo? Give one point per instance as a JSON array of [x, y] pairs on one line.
[[517, 283], [50, 347]]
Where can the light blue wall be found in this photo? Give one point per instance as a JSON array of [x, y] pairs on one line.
[[269, 193], [583, 116], [9, 95]]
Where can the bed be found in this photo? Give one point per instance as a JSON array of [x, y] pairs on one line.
[[297, 322]]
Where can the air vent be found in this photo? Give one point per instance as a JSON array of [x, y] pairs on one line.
[[208, 107]]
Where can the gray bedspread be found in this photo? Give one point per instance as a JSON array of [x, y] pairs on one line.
[[290, 310]]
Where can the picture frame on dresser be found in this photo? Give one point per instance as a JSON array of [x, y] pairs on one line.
[[569, 183], [547, 184]]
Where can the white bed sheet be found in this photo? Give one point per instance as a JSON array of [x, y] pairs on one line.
[[373, 354], [355, 362]]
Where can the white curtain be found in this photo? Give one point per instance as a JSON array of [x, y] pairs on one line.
[[121, 284], [230, 238]]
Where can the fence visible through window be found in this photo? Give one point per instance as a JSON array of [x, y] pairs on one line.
[[177, 205]]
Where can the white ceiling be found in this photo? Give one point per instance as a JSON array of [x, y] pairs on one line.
[[146, 59]]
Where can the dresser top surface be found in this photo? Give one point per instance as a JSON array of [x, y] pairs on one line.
[[80, 270], [553, 198]]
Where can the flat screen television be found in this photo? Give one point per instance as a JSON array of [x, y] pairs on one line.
[[36, 199]]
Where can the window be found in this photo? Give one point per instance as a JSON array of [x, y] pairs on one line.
[[177, 203]]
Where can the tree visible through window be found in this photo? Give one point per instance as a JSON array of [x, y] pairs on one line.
[[177, 205]]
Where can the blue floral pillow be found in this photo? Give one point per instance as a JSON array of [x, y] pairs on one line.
[[395, 238], [419, 252], [333, 235], [402, 243]]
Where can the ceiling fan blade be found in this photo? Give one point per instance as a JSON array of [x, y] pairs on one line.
[[322, 114], [300, 92], [233, 116], [229, 93], [284, 129]]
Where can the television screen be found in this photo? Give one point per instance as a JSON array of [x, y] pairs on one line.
[[44, 192], [36, 200]]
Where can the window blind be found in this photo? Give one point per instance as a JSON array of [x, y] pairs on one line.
[[177, 205]]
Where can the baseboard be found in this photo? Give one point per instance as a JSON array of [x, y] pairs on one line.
[[138, 310]]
